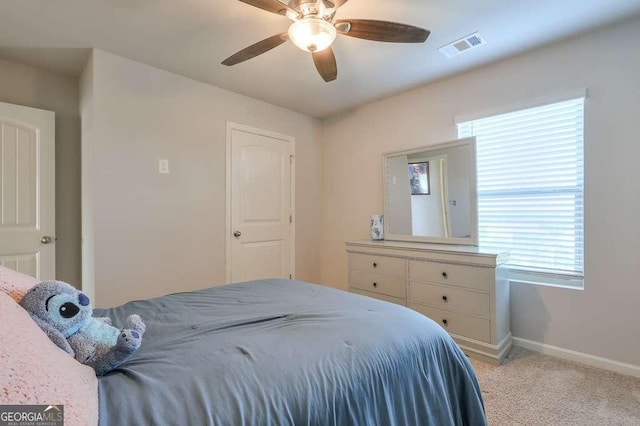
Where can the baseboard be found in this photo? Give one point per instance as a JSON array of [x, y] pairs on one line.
[[582, 358], [491, 354]]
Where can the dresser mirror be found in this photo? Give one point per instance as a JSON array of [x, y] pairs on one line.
[[430, 194]]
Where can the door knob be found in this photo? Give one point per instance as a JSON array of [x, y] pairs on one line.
[[45, 240], [237, 234]]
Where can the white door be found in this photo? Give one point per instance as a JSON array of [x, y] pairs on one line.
[[260, 200], [27, 190]]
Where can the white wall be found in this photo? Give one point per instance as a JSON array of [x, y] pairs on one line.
[[458, 190], [152, 233], [37, 88], [400, 220], [426, 210], [601, 320]]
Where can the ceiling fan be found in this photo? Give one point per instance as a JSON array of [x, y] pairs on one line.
[[314, 30]]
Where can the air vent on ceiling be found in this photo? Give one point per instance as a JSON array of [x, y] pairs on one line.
[[462, 45]]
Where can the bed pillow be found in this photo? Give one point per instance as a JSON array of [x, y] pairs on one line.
[[36, 371], [14, 283]]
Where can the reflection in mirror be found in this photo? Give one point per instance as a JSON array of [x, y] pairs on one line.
[[430, 194]]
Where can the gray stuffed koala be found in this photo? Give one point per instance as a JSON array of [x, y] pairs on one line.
[[64, 314]]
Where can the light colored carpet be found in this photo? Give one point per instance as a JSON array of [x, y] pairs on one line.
[[534, 389]]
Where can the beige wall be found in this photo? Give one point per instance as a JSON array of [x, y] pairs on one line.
[[601, 320], [37, 88], [154, 234], [86, 190]]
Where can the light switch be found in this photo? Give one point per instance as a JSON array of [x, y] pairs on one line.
[[163, 166]]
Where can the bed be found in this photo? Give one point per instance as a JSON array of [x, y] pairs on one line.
[[285, 352]]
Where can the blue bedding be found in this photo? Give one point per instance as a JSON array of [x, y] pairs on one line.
[[281, 352]]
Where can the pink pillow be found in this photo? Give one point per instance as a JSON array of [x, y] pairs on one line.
[[15, 284], [35, 371]]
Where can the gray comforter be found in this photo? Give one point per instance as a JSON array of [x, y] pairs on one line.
[[280, 352]]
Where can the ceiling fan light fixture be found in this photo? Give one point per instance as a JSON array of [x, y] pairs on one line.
[[312, 34]]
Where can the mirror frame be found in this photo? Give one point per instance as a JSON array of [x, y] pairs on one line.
[[469, 241]]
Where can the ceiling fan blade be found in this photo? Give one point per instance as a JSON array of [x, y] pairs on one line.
[[256, 49], [273, 6], [369, 29], [338, 3], [325, 62]]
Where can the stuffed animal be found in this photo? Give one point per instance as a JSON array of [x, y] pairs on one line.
[[64, 314]]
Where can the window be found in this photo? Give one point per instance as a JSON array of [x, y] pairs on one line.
[[530, 190]]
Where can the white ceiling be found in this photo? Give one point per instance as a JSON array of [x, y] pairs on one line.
[[192, 37]]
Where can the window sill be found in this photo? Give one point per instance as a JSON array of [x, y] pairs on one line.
[[549, 280]]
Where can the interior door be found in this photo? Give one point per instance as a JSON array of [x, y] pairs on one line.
[[27, 190], [261, 198]]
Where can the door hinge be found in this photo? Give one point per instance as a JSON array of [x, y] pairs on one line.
[[290, 218], [291, 159]]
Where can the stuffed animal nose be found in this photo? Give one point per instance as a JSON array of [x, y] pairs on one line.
[[83, 299]]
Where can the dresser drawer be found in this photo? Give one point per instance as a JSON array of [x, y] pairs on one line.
[[378, 264], [451, 298], [457, 323], [451, 274], [377, 283], [383, 297]]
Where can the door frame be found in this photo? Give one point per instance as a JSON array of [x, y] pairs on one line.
[[292, 169]]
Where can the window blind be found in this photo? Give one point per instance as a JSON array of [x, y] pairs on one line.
[[530, 189]]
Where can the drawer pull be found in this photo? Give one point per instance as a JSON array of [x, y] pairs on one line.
[[445, 322], [375, 264], [444, 274], [445, 298], [375, 284]]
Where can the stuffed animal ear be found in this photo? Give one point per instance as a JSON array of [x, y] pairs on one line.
[[54, 335]]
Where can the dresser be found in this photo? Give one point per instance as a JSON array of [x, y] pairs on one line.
[[465, 289]]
